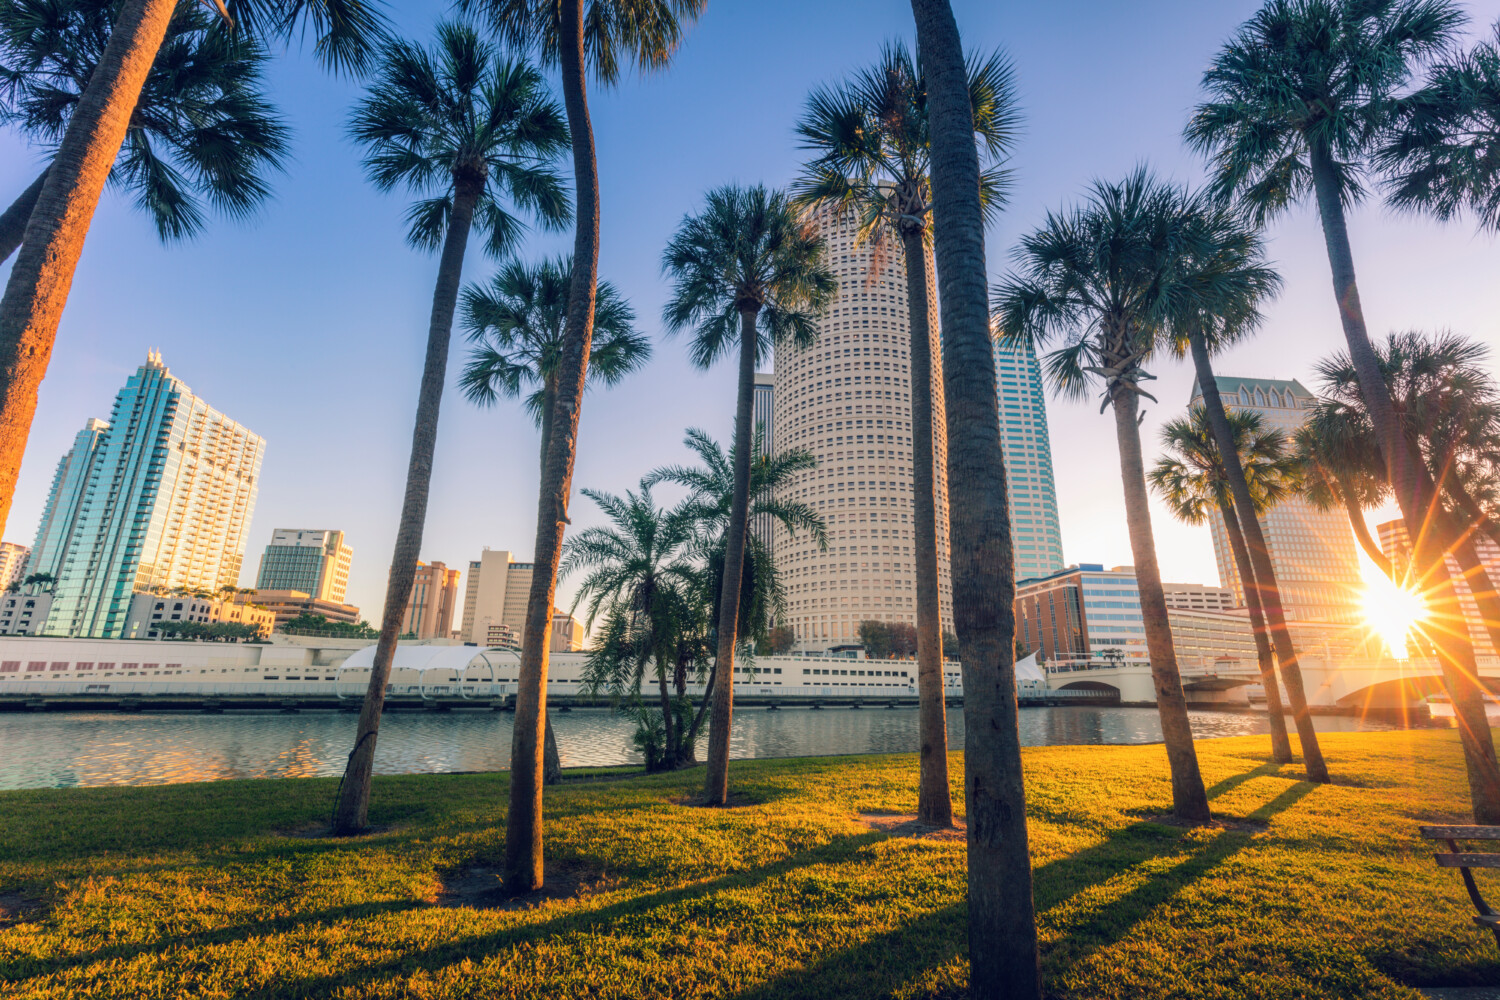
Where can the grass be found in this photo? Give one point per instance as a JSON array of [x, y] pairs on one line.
[[214, 890]]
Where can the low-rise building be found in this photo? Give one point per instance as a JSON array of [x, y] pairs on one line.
[[1200, 638], [285, 605], [153, 615], [24, 612], [1198, 597], [1084, 612]]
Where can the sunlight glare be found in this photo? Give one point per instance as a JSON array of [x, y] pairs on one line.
[[1391, 612]]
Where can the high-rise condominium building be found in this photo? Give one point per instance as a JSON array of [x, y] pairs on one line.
[[495, 594], [847, 400], [1312, 551], [1396, 544], [69, 483], [12, 563], [1028, 460], [313, 561], [434, 594], [166, 503]]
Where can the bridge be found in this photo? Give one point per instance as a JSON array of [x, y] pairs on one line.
[[1381, 685]]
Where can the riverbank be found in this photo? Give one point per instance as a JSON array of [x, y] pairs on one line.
[[225, 888]]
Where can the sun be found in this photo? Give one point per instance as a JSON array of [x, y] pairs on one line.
[[1391, 612]]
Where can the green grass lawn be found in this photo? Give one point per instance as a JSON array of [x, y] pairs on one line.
[[215, 890]]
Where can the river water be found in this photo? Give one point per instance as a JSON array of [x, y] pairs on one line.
[[63, 750]]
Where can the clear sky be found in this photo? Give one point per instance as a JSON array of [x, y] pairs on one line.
[[308, 324]]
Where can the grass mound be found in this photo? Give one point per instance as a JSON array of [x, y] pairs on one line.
[[1299, 891]]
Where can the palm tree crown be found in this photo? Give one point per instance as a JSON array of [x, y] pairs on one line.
[[871, 138], [463, 118], [1305, 79], [517, 324], [1192, 479], [1443, 153], [202, 130], [746, 250]]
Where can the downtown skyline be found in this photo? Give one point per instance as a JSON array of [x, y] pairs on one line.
[[322, 369]]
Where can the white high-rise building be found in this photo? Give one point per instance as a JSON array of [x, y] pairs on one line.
[[1312, 551], [847, 400], [12, 563], [167, 503], [1035, 534]]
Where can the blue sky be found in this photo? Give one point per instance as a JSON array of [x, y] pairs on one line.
[[308, 324]]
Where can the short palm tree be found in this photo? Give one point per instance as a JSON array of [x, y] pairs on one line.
[[1442, 153], [1442, 401], [748, 277], [1228, 277], [869, 138], [1003, 956], [710, 505], [1105, 278], [203, 129], [347, 32], [517, 323], [1298, 100], [476, 135], [1194, 483], [643, 583], [578, 37]]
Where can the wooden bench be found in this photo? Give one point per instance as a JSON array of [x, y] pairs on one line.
[[1464, 861]]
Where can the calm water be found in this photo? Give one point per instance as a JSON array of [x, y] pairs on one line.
[[65, 750]]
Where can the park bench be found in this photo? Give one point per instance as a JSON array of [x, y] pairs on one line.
[[1464, 861]]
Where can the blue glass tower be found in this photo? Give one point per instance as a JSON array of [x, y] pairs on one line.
[[1028, 461]]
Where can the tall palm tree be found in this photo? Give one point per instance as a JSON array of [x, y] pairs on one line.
[[871, 140], [1297, 102], [748, 276], [1003, 956], [577, 37], [518, 323], [1195, 483], [1106, 278], [1228, 278], [347, 33], [474, 134], [642, 580], [1442, 156], [203, 129]]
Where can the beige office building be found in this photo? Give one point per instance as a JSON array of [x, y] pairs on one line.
[[567, 632], [1312, 551], [847, 400], [1198, 597], [1396, 545], [315, 561], [434, 594], [495, 595]]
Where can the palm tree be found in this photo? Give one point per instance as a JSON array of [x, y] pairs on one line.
[[575, 37], [1443, 154], [518, 323], [1003, 957], [202, 129], [1195, 483], [1343, 470], [870, 137], [347, 33], [709, 505], [1108, 279], [469, 130], [1228, 277], [747, 274], [1298, 100], [1445, 407], [643, 582]]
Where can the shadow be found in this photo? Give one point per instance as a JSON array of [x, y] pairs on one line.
[[1268, 769]]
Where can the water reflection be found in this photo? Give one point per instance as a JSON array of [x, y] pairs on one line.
[[66, 750]]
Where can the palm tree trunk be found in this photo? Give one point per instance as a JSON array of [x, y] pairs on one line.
[[551, 760], [13, 221], [716, 783], [1003, 960], [351, 815], [1362, 532], [668, 721], [1427, 535], [1264, 577], [1189, 799], [40, 279], [1281, 745], [934, 800], [523, 825]]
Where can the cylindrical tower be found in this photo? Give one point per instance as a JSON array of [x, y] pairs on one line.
[[847, 400]]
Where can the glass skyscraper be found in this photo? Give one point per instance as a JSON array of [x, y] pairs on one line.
[[167, 503], [1028, 460], [64, 501]]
